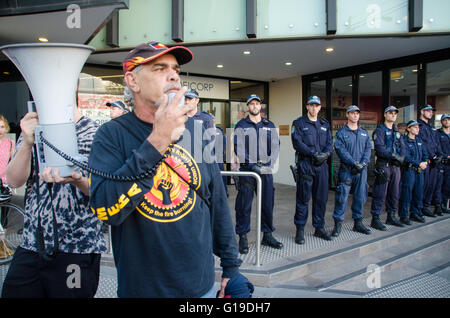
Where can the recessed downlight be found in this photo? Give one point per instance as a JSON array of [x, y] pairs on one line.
[[219, 66], [329, 49], [288, 63], [42, 39], [246, 52]]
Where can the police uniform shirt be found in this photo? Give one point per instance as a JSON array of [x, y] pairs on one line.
[[387, 141], [416, 151], [266, 151], [353, 145], [309, 137]]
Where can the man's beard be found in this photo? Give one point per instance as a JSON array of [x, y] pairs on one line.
[[254, 113], [166, 89]]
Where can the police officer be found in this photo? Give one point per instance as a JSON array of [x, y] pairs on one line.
[[256, 144], [353, 146], [220, 146], [431, 177], [313, 144], [191, 96], [444, 140], [390, 153], [416, 161]]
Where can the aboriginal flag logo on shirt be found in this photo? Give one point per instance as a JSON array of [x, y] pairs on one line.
[[172, 195]]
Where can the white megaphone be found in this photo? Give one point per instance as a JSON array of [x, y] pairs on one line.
[[51, 71]]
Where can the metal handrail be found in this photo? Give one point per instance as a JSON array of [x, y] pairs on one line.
[[258, 206], [258, 210]]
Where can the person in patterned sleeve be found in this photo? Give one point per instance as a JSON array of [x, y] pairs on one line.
[[60, 255]]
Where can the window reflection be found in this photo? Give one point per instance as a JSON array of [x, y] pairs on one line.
[[403, 84], [438, 88]]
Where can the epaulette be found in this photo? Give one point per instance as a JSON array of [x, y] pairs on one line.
[[323, 120]]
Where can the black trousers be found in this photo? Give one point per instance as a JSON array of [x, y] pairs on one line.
[[68, 275]]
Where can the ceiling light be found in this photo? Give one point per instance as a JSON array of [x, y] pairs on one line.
[[6, 73], [361, 76], [42, 39], [246, 52], [219, 65], [414, 71], [396, 75], [288, 63], [329, 49]]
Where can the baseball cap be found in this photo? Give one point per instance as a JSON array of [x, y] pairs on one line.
[[313, 100], [147, 52], [192, 93], [252, 97], [118, 104], [391, 109], [411, 123], [353, 108], [427, 107], [445, 116]]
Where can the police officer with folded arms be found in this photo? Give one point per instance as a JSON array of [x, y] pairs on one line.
[[390, 153], [256, 143], [313, 144], [444, 140], [431, 177], [353, 146], [411, 185]]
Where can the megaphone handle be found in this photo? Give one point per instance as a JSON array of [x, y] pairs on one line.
[[31, 106]]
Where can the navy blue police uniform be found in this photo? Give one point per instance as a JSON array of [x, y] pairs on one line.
[[444, 141], [389, 146], [410, 204], [431, 178], [245, 140], [353, 147], [220, 150], [309, 138]]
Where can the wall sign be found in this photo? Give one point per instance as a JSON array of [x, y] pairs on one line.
[[207, 87]]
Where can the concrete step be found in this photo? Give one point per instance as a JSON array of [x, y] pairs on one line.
[[340, 262]]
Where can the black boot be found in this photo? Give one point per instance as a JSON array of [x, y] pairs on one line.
[[243, 243], [269, 240], [337, 228], [438, 210], [405, 221], [417, 218], [444, 208], [300, 235], [376, 223], [359, 227], [320, 232], [392, 220], [427, 212]]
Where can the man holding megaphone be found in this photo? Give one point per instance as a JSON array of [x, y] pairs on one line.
[[167, 224], [61, 236]]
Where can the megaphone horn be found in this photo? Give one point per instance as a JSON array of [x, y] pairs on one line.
[[51, 71]]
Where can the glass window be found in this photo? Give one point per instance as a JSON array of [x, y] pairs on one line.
[[341, 98], [224, 20], [435, 15], [370, 103], [144, 21], [290, 18], [216, 108], [438, 88], [319, 89], [239, 92], [97, 86], [372, 16], [403, 86]]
